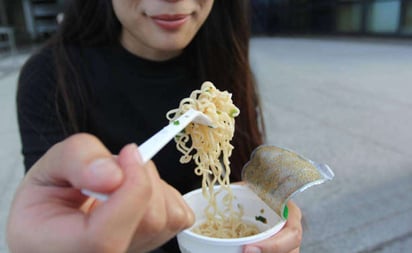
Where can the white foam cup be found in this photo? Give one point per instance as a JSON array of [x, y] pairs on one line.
[[255, 211]]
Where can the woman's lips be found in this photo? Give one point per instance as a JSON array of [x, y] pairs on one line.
[[170, 22]]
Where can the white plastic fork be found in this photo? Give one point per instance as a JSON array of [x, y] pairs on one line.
[[155, 143]]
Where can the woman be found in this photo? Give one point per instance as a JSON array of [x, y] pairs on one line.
[[114, 69]]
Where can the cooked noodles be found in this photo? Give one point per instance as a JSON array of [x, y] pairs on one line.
[[210, 149]]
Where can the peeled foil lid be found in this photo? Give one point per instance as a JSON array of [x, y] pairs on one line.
[[276, 174]]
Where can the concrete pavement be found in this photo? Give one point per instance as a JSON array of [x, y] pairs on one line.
[[344, 103], [11, 167], [347, 104]]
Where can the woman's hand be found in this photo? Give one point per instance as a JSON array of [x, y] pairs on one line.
[[287, 240], [49, 214]]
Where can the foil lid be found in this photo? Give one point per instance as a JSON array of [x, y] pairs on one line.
[[276, 174]]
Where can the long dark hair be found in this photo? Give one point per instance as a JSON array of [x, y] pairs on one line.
[[220, 51]]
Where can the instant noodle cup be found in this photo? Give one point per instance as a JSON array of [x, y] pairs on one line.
[[256, 212], [273, 176]]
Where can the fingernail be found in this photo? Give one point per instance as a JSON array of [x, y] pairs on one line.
[[137, 154], [252, 249], [104, 168]]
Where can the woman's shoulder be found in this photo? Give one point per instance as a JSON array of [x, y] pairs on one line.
[[38, 66], [37, 81], [42, 65], [39, 58], [43, 59]]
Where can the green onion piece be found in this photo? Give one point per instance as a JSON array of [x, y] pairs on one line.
[[233, 113], [286, 212], [261, 219], [176, 123]]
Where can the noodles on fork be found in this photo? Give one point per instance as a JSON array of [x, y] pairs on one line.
[[210, 149]]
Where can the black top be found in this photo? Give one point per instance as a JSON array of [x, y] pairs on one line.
[[129, 97]]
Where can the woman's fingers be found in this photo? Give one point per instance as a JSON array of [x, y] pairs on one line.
[[139, 202], [180, 215], [49, 200], [155, 218], [163, 219], [117, 219], [148, 234], [80, 161], [288, 240], [142, 210]]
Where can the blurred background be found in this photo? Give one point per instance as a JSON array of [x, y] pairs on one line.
[[33, 20], [334, 17], [335, 78]]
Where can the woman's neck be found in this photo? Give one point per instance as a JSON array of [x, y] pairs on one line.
[[139, 49]]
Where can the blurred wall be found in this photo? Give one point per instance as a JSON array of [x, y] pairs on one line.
[[333, 17]]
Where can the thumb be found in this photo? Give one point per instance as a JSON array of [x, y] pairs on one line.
[[120, 216], [81, 161]]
